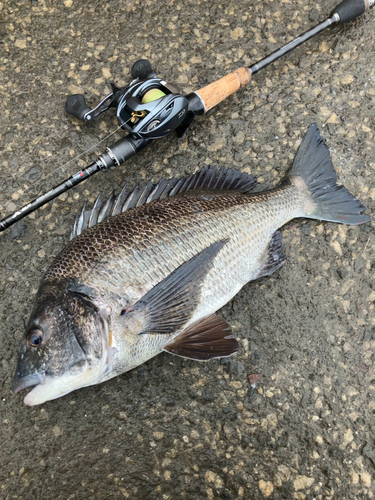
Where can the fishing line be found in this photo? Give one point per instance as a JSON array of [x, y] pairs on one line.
[[73, 159]]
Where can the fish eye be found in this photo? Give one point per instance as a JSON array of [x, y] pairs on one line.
[[34, 337]]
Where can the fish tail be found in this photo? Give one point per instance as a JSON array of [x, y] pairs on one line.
[[324, 199]]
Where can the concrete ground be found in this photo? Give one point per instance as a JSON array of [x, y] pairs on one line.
[[175, 428]]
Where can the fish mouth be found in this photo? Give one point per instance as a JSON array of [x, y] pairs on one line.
[[40, 393], [53, 387], [28, 381]]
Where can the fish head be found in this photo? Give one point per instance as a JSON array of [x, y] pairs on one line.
[[64, 347]]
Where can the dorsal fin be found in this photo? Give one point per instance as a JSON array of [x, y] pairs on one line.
[[208, 178]]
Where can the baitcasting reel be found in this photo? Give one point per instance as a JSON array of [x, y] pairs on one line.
[[148, 107]]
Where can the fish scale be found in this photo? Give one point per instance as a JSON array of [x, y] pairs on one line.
[[151, 278], [138, 241], [239, 261]]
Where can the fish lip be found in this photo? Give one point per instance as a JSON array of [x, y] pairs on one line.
[[28, 381]]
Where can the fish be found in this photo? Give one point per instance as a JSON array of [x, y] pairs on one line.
[[147, 271]]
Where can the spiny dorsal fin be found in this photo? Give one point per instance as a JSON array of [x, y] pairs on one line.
[[208, 178]]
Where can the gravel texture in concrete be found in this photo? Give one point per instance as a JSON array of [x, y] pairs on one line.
[[302, 426]]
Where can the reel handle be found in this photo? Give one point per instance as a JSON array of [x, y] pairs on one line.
[[218, 91], [77, 106], [142, 69]]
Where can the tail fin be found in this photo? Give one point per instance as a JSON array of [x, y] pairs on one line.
[[330, 202]]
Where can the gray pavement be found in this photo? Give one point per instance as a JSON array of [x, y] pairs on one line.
[[175, 428]]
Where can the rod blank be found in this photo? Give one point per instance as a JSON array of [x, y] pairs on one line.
[[209, 96]]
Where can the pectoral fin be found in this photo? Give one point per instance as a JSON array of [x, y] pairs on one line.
[[171, 303], [205, 339]]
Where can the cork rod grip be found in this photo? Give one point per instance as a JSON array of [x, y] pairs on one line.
[[221, 89]]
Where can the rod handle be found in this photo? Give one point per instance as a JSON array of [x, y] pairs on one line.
[[218, 91], [348, 10]]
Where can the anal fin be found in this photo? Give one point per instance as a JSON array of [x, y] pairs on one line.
[[205, 339], [275, 257]]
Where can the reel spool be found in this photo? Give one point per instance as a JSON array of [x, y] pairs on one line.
[[152, 95]]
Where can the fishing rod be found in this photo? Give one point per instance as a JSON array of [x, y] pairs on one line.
[[150, 108]]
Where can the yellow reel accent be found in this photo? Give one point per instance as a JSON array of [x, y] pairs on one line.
[[152, 95]]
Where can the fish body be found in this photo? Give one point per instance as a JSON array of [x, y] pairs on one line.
[[151, 278]]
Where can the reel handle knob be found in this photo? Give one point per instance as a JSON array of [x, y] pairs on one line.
[[76, 105], [142, 69]]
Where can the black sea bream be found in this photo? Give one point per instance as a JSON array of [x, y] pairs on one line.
[[146, 271]]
